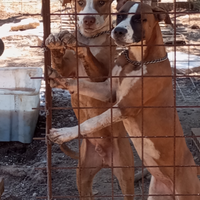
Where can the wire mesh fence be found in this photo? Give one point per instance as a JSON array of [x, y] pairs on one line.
[[103, 82]]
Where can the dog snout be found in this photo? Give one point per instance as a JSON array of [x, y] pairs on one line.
[[89, 20], [120, 32]]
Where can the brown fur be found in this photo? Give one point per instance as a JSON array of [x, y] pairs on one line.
[[147, 111], [100, 9], [94, 152]]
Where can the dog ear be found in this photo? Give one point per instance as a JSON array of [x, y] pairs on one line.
[[120, 3], [162, 15]]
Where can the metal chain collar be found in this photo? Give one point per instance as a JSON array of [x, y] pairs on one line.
[[97, 35], [136, 63]]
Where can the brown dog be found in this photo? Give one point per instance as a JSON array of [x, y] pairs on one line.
[[94, 64], [145, 104]]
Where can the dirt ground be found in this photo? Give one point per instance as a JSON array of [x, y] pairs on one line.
[[23, 165]]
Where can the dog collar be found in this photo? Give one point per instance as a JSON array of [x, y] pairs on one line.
[[97, 35], [136, 63]]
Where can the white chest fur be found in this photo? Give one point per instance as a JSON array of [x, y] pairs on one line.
[[99, 40], [128, 82]]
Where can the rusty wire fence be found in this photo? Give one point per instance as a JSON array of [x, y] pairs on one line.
[[186, 87], [176, 40]]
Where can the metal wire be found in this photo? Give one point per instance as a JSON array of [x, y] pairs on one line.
[[49, 108], [47, 62]]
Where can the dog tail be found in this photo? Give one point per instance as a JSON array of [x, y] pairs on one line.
[[73, 154]]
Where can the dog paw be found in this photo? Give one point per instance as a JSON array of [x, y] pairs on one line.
[[68, 84], [52, 73], [54, 84], [68, 40], [60, 40], [53, 76], [56, 136], [54, 42], [59, 83], [62, 135]]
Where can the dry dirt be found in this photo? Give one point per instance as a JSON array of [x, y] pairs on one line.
[[22, 165]]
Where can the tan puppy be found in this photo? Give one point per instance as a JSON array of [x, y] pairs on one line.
[[94, 62], [145, 104]]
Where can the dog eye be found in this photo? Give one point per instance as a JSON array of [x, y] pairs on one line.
[[80, 3], [137, 18], [119, 17], [144, 20], [101, 3]]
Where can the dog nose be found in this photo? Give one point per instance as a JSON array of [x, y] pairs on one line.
[[89, 20], [120, 31]]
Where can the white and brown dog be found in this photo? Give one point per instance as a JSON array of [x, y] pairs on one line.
[[93, 28], [145, 103]]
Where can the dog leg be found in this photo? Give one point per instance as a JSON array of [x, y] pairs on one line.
[[54, 43], [97, 90], [187, 182], [159, 188], [94, 69], [184, 175], [100, 91], [88, 158], [63, 60], [91, 125], [55, 79], [124, 158]]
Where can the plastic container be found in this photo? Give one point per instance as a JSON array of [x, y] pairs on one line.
[[18, 95]]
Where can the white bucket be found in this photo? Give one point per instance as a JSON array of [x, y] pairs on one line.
[[18, 95]]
